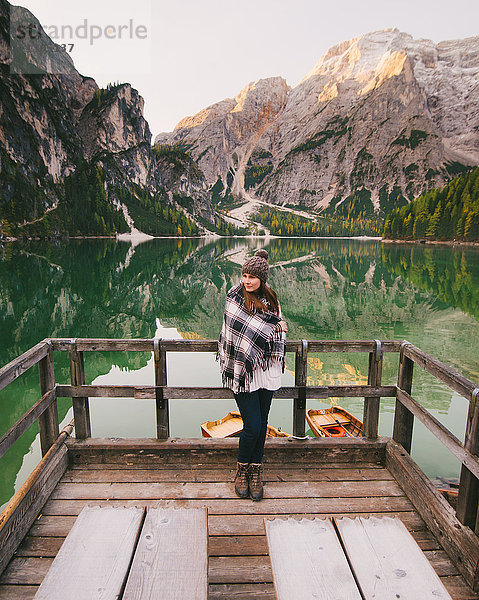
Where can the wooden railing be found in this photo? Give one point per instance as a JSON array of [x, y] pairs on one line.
[[407, 408]]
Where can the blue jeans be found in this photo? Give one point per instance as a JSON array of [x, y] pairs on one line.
[[254, 408]]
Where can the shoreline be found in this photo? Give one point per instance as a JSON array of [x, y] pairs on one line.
[[424, 242]]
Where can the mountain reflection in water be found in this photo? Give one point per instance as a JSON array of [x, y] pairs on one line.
[[328, 289]]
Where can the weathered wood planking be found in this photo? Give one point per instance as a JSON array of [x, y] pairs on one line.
[[238, 506], [219, 545], [403, 417], [48, 419], [307, 474], [81, 404], [435, 367], [145, 392], [94, 559], [371, 404], [23, 508], [185, 452], [18, 428], [442, 433], [387, 562], [467, 501], [179, 491], [22, 363], [307, 561], [146, 345], [226, 525], [300, 380], [171, 560], [222, 569], [461, 544]]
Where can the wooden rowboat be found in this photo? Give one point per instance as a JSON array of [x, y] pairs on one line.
[[334, 422], [231, 426]]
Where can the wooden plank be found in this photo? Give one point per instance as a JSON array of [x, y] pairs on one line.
[[371, 404], [248, 525], [48, 419], [145, 392], [22, 363], [458, 588], [403, 418], [81, 405], [8, 439], [171, 560], [257, 569], [116, 475], [301, 381], [238, 545], [352, 345], [307, 560], [26, 571], [449, 376], [153, 491], [442, 433], [94, 559], [40, 546], [247, 545], [201, 450], [236, 506], [239, 569], [146, 345], [241, 591], [180, 465], [387, 562], [23, 508], [17, 592], [162, 406], [467, 501], [461, 544]]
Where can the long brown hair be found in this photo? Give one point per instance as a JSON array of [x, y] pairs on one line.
[[252, 300]]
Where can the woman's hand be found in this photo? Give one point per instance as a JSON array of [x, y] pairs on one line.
[[283, 325]]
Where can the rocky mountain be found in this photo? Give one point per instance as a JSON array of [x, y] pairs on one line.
[[59, 131], [382, 116]]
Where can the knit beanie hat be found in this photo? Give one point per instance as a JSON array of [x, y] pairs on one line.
[[257, 265]]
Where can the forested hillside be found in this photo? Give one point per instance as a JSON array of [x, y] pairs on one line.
[[448, 213]]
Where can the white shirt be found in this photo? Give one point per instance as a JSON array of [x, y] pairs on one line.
[[269, 379]]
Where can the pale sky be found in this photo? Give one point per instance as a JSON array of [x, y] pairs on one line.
[[183, 55]]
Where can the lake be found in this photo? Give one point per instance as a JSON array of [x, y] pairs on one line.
[[175, 288]]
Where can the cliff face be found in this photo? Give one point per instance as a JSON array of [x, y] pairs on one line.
[[222, 137], [53, 121], [382, 113]]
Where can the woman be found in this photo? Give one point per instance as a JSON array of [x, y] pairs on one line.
[[251, 350]]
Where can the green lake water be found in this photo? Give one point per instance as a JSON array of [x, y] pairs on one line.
[[328, 289]]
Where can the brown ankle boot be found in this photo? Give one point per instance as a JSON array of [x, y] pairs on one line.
[[241, 480], [255, 481]]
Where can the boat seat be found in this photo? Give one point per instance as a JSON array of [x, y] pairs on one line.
[[352, 558], [110, 549]]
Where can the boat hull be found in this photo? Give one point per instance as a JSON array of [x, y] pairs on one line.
[[334, 422], [231, 426]]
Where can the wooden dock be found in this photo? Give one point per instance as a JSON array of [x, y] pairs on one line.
[[303, 479], [320, 477]]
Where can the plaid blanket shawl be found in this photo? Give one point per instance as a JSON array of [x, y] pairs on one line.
[[247, 341]]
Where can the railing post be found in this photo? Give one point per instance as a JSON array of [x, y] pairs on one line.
[[48, 421], [300, 380], [403, 418], [81, 406], [371, 405], [467, 499], [162, 408]]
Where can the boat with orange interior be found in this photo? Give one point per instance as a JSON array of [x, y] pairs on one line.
[[334, 422], [231, 426]]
